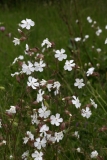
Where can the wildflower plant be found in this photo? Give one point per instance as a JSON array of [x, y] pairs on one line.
[[54, 116]]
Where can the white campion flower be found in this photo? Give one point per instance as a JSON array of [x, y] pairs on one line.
[[37, 155], [28, 69], [49, 86], [18, 58], [98, 50], [86, 112], [90, 71], [93, 103], [50, 138], [79, 83], [57, 86], [60, 54], [106, 27], [25, 155], [59, 136], [56, 120], [25, 140], [27, 23], [98, 32], [77, 39], [76, 134], [78, 149], [16, 41], [39, 66], [40, 96], [43, 130], [43, 82], [106, 41], [40, 143], [94, 154], [34, 119], [46, 41], [30, 135], [32, 82], [12, 110], [76, 102], [69, 65], [89, 19], [43, 112]]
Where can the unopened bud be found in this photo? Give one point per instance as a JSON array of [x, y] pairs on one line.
[[23, 38], [63, 126]]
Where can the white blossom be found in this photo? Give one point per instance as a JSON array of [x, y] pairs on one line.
[[60, 54], [32, 82], [46, 41], [40, 143], [59, 136], [69, 65], [25, 155], [43, 112], [37, 155], [77, 39], [94, 154], [79, 83], [90, 71], [28, 69], [40, 96], [39, 66], [86, 112], [34, 118], [76, 102], [76, 134], [27, 23], [93, 103], [56, 120], [12, 110], [16, 41]]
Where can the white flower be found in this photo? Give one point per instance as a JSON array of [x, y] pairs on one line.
[[76, 102], [35, 119], [69, 65], [43, 82], [30, 135], [86, 113], [106, 27], [86, 36], [46, 41], [50, 138], [37, 155], [94, 154], [25, 140], [89, 19], [11, 157], [98, 50], [32, 82], [43, 112], [59, 136], [79, 83], [93, 103], [56, 120], [28, 69], [27, 23], [57, 86], [16, 41], [77, 39], [76, 134], [106, 41], [44, 129], [12, 110], [39, 66], [90, 71], [98, 32], [4, 142], [25, 155], [78, 149], [60, 54], [49, 86], [40, 96], [40, 143]]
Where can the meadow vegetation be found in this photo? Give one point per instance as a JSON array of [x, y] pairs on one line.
[[53, 80]]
